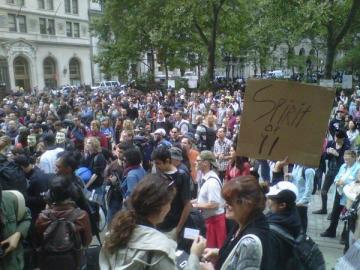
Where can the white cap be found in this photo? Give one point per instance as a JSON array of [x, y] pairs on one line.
[[160, 131], [282, 185]]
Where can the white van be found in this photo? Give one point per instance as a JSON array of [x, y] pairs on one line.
[[276, 74]]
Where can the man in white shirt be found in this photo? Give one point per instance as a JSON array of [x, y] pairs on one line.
[[209, 200], [48, 158]]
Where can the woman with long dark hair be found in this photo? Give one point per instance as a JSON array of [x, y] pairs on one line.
[[238, 166], [134, 242]]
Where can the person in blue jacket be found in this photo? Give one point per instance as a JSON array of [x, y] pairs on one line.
[[346, 175], [303, 178]]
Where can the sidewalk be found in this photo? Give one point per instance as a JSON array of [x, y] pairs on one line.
[[330, 247]]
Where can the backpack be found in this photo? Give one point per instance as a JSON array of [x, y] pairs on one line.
[[21, 207], [61, 245], [306, 252], [207, 138], [84, 174], [12, 177]]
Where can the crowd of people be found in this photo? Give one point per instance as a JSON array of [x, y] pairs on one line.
[[149, 166]]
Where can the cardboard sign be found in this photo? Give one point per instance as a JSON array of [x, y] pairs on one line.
[[284, 119], [347, 81], [171, 84], [192, 84]]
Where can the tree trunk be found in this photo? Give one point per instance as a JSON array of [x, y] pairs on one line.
[[330, 57], [166, 71], [199, 72], [211, 64], [152, 65]]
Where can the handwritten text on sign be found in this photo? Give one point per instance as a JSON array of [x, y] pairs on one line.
[[284, 119]]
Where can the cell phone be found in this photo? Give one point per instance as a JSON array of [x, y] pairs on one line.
[[191, 234]]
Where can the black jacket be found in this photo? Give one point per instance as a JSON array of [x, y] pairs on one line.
[[257, 226], [281, 251], [38, 185]]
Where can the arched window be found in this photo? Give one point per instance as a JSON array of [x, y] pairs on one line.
[[75, 73], [312, 52], [21, 73], [50, 74], [302, 52]]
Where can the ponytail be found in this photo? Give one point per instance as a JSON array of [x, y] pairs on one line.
[[147, 199], [121, 229]]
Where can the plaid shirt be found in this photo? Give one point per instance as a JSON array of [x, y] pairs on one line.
[[222, 147]]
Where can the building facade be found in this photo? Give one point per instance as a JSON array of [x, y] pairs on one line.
[[44, 43]]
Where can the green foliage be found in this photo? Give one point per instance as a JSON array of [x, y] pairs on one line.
[[351, 61]]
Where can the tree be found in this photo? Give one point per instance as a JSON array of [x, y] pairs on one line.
[[340, 15]]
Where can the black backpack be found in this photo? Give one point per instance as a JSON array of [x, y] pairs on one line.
[[207, 138], [306, 252], [61, 244], [12, 177]]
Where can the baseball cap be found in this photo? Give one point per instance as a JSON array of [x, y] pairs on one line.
[[160, 131], [176, 153], [209, 156], [284, 191]]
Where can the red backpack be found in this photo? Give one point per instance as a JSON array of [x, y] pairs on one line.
[[61, 245]]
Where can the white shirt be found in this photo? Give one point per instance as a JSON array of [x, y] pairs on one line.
[[210, 191], [48, 159]]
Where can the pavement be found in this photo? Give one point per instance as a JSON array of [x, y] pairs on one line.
[[331, 247]]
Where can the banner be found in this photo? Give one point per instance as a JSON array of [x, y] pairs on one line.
[[347, 81], [171, 84], [282, 119]]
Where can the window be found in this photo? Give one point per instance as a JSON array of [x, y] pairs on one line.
[[67, 6], [71, 6], [75, 7], [41, 4], [69, 29], [47, 26], [22, 23], [17, 23], [16, 2], [46, 4], [76, 30], [74, 70], [42, 23], [72, 29], [50, 75], [51, 27], [12, 23], [50, 4]]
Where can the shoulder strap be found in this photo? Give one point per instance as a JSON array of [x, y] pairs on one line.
[[73, 215], [228, 260], [217, 180], [282, 233], [21, 207]]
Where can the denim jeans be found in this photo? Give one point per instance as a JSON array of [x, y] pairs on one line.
[[114, 206]]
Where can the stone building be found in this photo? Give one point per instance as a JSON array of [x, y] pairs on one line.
[[45, 43]]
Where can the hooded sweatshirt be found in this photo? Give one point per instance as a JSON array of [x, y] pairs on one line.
[[281, 251], [136, 255]]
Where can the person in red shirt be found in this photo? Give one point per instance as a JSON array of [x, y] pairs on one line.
[[238, 166], [95, 132]]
